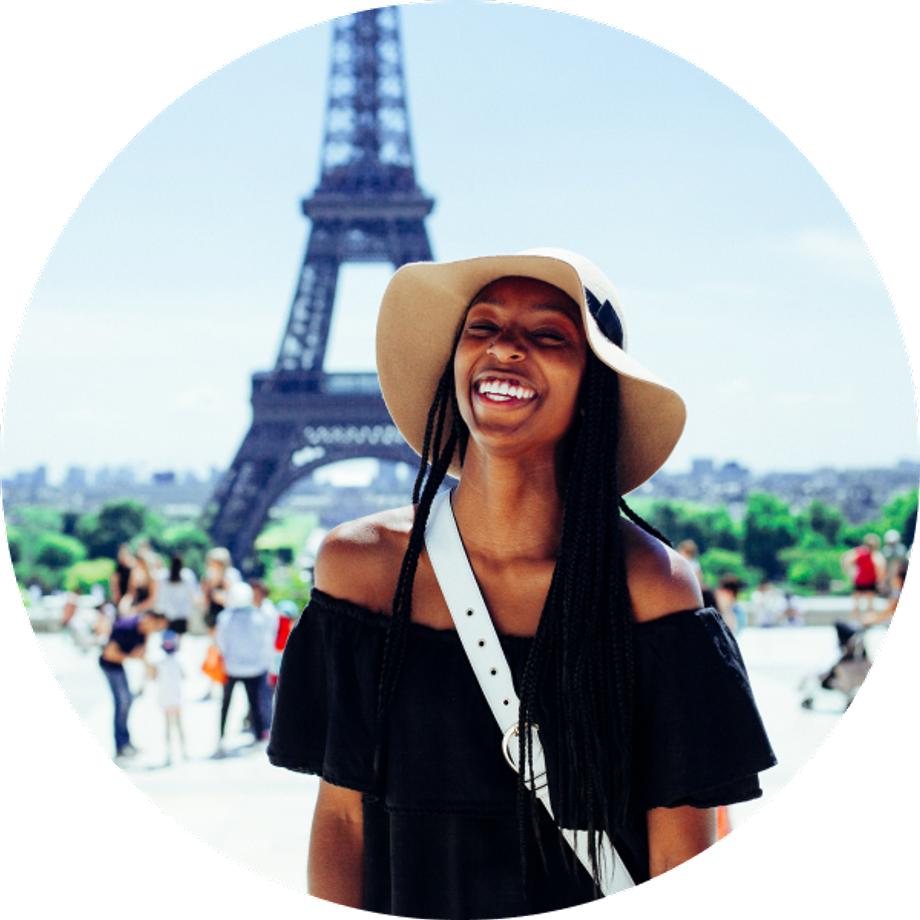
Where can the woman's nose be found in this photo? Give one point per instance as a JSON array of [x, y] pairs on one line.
[[507, 346]]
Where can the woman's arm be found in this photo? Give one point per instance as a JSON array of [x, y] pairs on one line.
[[335, 867], [677, 834], [112, 652]]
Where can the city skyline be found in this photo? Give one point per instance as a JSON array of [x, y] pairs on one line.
[[745, 283], [362, 472]]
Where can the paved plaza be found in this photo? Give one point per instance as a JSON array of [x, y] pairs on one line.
[[260, 815]]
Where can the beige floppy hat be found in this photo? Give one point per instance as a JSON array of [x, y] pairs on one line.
[[421, 312]]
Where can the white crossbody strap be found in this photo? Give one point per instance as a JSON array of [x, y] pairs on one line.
[[480, 642]]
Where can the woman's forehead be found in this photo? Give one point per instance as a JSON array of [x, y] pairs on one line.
[[514, 290]]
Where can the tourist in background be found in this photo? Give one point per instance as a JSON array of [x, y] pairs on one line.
[[127, 640], [766, 605], [143, 588], [895, 552], [244, 638], [118, 580], [865, 567], [178, 588], [727, 591], [169, 674], [883, 617], [219, 576], [691, 552], [263, 602]]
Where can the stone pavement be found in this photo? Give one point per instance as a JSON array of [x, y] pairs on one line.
[[260, 815]]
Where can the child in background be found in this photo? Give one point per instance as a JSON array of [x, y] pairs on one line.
[[730, 586], [169, 676]]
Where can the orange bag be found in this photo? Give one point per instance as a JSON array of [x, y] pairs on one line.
[[214, 665], [723, 824]]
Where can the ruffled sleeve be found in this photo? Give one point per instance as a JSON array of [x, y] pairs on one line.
[[326, 699], [699, 737]]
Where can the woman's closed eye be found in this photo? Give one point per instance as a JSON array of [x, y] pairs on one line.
[[550, 336], [482, 329]]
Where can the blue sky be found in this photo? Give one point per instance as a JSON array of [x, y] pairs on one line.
[[745, 284]]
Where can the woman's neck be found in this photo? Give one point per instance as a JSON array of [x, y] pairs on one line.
[[509, 508]]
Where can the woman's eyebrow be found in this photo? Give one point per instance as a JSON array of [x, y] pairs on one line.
[[548, 306]]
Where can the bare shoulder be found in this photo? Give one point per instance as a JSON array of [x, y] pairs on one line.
[[660, 580], [359, 561]]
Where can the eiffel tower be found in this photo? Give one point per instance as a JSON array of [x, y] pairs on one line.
[[367, 207]]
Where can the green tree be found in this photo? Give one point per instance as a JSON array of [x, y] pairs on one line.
[[31, 524], [901, 515], [717, 563], [768, 528], [116, 523], [813, 564], [707, 527], [14, 540], [56, 551], [81, 576], [824, 520]]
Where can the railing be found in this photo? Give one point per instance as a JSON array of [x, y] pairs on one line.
[[351, 383], [331, 384]]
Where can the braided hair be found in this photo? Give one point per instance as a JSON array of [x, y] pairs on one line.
[[581, 657]]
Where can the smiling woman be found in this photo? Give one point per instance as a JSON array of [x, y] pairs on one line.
[[619, 706], [519, 364]]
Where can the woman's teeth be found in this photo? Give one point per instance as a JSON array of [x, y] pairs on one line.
[[502, 391]]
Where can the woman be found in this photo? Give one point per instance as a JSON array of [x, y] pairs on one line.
[[178, 588], [142, 592], [219, 576], [118, 580], [509, 372], [128, 639]]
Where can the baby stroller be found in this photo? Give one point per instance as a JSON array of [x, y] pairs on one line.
[[848, 674]]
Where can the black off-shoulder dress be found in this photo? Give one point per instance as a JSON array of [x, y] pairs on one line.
[[441, 836]]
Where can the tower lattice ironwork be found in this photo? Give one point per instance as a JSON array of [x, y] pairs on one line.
[[367, 207]]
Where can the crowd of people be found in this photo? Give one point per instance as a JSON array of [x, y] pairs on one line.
[[876, 569], [247, 632]]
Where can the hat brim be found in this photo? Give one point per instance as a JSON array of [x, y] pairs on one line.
[[420, 314]]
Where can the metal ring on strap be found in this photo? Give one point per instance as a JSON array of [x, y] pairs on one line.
[[539, 781], [506, 741]]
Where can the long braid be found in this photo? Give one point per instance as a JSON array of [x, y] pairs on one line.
[[582, 653], [434, 463]]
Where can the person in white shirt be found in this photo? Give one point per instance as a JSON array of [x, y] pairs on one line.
[[244, 638], [169, 675], [178, 588]]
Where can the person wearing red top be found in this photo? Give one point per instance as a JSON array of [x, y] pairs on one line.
[[865, 566]]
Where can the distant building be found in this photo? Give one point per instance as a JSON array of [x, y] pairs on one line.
[[75, 477], [734, 472], [122, 476], [859, 494], [700, 468], [166, 478]]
